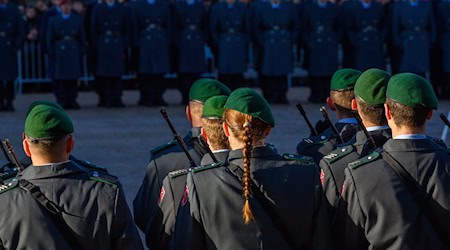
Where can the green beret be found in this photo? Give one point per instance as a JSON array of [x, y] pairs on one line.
[[49, 103], [204, 88], [214, 107], [411, 90], [247, 101], [371, 86], [344, 79], [47, 121]]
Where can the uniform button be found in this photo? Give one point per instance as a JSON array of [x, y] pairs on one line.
[[344, 149], [369, 158], [323, 137], [95, 174], [292, 156]]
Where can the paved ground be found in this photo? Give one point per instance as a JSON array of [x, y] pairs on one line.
[[121, 138]]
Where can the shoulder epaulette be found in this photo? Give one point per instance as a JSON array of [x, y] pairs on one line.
[[206, 167], [9, 173], [304, 160], [162, 147], [103, 177], [177, 173], [319, 139], [338, 153], [271, 146], [363, 161], [8, 186], [91, 166]]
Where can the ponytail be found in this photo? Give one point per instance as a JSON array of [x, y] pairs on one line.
[[247, 213]]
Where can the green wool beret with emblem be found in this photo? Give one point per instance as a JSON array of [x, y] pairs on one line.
[[344, 79], [49, 103], [371, 86], [248, 101], [213, 107], [411, 90], [205, 88], [47, 121]]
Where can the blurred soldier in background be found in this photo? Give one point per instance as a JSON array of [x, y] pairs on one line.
[[66, 44], [345, 13], [367, 32], [190, 24], [150, 25], [321, 34], [109, 26], [277, 28], [443, 24], [414, 33], [230, 29], [12, 35]]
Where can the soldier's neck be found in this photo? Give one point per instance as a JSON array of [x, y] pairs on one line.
[[403, 130]]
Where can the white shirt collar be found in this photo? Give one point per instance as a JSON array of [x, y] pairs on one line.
[[348, 120], [375, 128], [410, 137]]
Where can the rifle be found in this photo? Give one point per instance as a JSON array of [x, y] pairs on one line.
[[363, 128], [303, 113], [445, 120], [177, 137], [325, 114], [8, 151]]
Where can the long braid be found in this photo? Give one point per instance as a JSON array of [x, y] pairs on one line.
[[246, 182]]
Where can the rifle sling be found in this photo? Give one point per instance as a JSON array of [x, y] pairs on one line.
[[266, 204], [54, 212], [420, 195]]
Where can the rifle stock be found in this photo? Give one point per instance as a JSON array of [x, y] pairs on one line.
[[8, 150]]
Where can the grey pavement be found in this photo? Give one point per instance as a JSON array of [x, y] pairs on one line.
[[120, 139]]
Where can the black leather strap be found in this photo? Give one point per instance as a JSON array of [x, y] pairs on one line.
[[54, 211], [266, 204], [420, 195]]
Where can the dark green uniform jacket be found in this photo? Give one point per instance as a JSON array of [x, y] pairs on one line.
[[163, 159], [377, 210], [333, 165], [93, 205], [290, 187], [162, 224]]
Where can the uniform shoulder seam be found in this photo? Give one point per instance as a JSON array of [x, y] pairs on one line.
[[304, 160]]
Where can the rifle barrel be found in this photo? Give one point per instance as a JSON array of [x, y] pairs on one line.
[[325, 114], [303, 113]]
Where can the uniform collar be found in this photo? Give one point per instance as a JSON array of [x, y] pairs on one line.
[[425, 145], [195, 131], [410, 137], [220, 155], [348, 120], [50, 170], [375, 128], [257, 152]]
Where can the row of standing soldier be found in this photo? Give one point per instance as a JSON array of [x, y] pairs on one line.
[[162, 34]]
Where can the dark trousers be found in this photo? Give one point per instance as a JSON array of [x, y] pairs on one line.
[[6, 94], [233, 81], [66, 93], [274, 88], [109, 90], [185, 81], [320, 88], [151, 88]]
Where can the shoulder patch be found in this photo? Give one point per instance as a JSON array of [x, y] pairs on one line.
[[338, 153], [206, 167], [304, 160], [360, 162], [91, 166], [162, 147], [103, 177], [8, 186], [318, 139], [177, 173]]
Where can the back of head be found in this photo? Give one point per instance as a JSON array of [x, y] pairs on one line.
[[370, 95], [212, 122], [200, 91], [410, 99], [46, 127], [342, 85], [248, 115]]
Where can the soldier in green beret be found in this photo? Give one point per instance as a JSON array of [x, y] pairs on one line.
[[57, 203], [370, 95], [161, 228], [257, 199], [170, 156], [380, 206], [339, 101]]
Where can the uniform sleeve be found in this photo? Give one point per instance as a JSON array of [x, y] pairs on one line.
[[83, 39], [321, 234], [124, 231], [349, 224], [329, 188], [147, 197], [162, 220]]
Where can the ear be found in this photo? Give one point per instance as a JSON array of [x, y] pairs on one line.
[[188, 113], [387, 112], [267, 131], [430, 114], [26, 147], [330, 104], [202, 131], [70, 144], [226, 129], [354, 105]]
